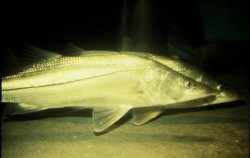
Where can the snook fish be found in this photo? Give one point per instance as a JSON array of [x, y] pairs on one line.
[[110, 83], [225, 94]]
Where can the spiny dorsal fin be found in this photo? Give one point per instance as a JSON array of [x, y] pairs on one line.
[[34, 55], [73, 49], [99, 52], [142, 116], [140, 54], [104, 117]]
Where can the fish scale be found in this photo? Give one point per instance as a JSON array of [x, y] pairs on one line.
[[66, 69]]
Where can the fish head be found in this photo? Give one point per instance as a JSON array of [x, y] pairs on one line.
[[181, 88], [226, 94]]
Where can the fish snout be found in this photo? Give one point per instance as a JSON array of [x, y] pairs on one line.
[[230, 94]]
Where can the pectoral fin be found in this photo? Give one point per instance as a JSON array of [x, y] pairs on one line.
[[142, 116], [104, 117]]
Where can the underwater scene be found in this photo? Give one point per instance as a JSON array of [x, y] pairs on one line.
[[126, 78]]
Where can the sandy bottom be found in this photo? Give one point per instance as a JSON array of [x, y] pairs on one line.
[[205, 132]]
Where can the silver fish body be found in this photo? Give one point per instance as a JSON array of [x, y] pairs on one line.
[[110, 84]]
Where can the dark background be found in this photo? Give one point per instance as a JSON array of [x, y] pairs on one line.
[[210, 34]]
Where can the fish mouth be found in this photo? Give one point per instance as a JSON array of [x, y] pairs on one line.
[[198, 102], [227, 96]]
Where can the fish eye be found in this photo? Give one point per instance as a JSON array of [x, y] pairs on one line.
[[220, 87], [188, 84]]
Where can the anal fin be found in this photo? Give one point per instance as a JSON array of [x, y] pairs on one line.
[[22, 108]]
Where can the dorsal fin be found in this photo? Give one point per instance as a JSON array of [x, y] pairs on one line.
[[99, 52], [140, 54], [34, 55], [73, 49]]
